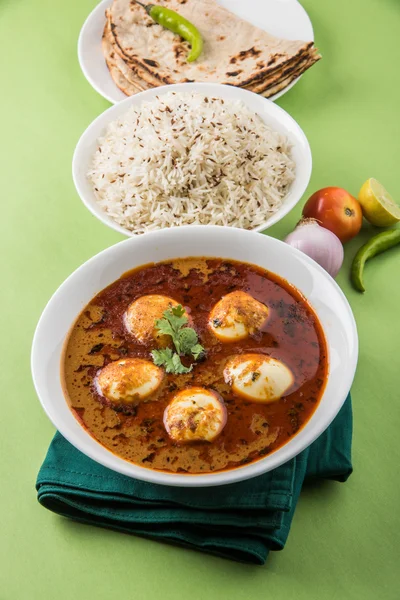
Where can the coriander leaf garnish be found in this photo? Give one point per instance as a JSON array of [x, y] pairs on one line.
[[197, 351], [185, 340], [178, 366], [173, 319], [164, 327], [170, 361], [161, 357]]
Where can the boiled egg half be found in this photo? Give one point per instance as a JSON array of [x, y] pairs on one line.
[[195, 414], [257, 377], [141, 316], [236, 316], [128, 381]]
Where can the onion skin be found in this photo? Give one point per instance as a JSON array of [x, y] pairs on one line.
[[318, 243]]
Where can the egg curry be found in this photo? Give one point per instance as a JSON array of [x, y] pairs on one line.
[[195, 365]]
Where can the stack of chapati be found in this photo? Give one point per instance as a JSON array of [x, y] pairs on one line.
[[141, 54]]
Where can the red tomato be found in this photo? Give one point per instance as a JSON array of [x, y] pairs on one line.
[[337, 210]]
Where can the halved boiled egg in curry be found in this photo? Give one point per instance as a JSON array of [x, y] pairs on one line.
[[195, 366], [195, 414], [236, 316], [128, 381], [142, 315], [258, 377]]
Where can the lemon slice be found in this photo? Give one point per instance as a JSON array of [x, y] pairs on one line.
[[377, 204]]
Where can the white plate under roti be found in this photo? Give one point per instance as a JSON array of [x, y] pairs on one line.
[[283, 18]]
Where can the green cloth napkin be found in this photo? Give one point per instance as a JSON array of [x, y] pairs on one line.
[[241, 521]]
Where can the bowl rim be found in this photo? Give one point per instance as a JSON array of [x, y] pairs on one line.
[[303, 172], [272, 461]]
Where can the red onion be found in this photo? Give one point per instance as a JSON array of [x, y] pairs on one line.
[[318, 243]]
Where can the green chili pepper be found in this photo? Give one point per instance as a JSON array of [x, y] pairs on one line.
[[376, 245], [174, 22]]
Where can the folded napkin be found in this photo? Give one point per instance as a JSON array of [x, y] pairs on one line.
[[241, 521]]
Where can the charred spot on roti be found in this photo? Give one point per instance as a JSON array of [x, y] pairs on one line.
[[178, 50], [248, 53], [275, 57], [233, 73], [151, 63]]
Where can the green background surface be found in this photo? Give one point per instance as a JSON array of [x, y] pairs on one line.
[[344, 543]]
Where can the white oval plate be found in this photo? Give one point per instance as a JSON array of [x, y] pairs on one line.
[[273, 115], [283, 18], [103, 269]]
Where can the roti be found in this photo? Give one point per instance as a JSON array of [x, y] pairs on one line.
[[302, 65], [235, 52], [120, 81]]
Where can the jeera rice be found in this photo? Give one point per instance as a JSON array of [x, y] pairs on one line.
[[184, 159]]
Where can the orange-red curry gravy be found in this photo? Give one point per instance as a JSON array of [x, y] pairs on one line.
[[291, 334]]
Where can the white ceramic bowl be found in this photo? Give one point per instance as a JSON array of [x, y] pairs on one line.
[[272, 114], [283, 18], [317, 286]]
